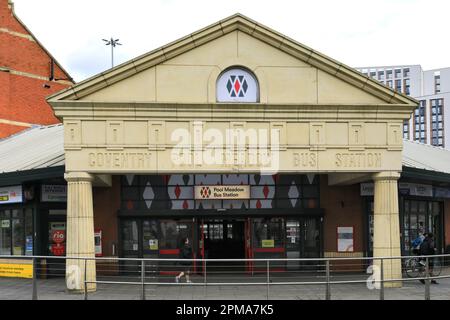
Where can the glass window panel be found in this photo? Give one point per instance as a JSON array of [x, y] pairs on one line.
[[130, 235], [18, 237], [29, 232], [268, 230], [5, 233]]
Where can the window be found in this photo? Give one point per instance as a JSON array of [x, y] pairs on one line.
[[406, 72], [237, 85], [437, 122], [398, 73], [381, 75], [389, 83], [420, 122], [406, 129], [16, 231], [389, 74], [406, 86], [398, 85], [437, 83]]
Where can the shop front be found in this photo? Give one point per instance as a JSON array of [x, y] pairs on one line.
[[221, 136], [276, 216]]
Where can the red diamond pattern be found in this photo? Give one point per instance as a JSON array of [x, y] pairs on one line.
[[177, 191], [266, 191]]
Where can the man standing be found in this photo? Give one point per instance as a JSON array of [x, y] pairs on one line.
[[185, 253], [427, 248]]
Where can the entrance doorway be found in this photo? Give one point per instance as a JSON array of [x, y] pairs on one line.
[[223, 239]]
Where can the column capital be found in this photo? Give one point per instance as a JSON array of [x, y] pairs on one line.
[[386, 175], [78, 176]]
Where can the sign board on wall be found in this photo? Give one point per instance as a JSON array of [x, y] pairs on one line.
[[345, 239], [16, 269], [222, 192], [54, 193], [11, 194], [410, 189]]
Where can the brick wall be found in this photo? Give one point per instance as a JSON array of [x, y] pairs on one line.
[[24, 76]]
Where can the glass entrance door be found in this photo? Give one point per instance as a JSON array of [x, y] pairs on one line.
[[303, 240], [129, 232], [224, 239], [151, 238]]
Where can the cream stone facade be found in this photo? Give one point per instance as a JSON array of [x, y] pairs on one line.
[[320, 116]]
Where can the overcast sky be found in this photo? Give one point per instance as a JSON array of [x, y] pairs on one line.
[[355, 32]]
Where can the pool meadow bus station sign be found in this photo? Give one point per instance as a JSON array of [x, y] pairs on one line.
[[235, 97]]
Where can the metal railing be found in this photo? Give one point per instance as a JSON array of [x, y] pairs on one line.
[[271, 274]]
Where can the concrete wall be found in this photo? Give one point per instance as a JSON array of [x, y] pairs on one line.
[[106, 205], [343, 207]]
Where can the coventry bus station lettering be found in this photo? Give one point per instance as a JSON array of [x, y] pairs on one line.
[[358, 160], [120, 160]]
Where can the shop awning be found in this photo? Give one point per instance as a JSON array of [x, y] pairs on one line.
[[32, 154]]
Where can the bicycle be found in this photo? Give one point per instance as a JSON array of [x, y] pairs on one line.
[[415, 267]]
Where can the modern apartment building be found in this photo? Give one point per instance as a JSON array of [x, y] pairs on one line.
[[431, 88]]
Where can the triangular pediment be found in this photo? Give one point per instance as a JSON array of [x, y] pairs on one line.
[[186, 71]]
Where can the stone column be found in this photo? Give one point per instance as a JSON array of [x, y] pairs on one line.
[[386, 241], [80, 231]]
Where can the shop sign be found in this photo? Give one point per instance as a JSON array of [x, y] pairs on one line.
[[413, 189], [12, 269], [409, 189], [54, 193], [367, 189], [345, 239], [5, 224], [58, 236], [222, 192], [11, 194], [442, 193], [268, 244]]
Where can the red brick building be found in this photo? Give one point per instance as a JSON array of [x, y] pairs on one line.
[[28, 74]]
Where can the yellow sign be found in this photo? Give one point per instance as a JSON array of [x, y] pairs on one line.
[[268, 243], [153, 244], [16, 270], [222, 192]]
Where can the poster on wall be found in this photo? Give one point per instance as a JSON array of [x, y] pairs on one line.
[[345, 239], [57, 238], [11, 194]]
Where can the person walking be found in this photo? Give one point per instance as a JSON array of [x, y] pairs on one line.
[[185, 253], [427, 248]]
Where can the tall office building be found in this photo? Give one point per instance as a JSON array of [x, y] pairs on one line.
[[432, 88]]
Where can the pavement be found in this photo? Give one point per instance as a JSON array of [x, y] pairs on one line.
[[248, 289]]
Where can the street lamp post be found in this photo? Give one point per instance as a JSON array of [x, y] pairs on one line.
[[113, 43]]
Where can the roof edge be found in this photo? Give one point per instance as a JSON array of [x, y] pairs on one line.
[[215, 30]]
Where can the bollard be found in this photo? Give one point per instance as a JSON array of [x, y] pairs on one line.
[[34, 295], [268, 279], [204, 280], [143, 279], [382, 280], [85, 280], [427, 280], [328, 290]]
